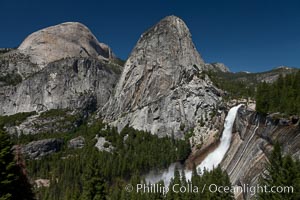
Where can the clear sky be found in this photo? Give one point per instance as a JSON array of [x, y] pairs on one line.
[[246, 35]]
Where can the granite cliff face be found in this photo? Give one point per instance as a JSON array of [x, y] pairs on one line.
[[69, 83], [160, 89], [63, 66], [252, 144]]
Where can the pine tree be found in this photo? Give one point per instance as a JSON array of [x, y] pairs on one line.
[[7, 167], [280, 96], [174, 181], [280, 171], [94, 187], [14, 183]]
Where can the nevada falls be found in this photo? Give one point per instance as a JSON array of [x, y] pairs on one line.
[[62, 82]]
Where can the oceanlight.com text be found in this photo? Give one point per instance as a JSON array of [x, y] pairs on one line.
[[213, 188]]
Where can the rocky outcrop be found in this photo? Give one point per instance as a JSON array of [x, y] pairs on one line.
[[15, 67], [76, 143], [72, 83], [38, 183], [5, 50], [252, 144], [160, 89], [40, 148], [103, 145], [70, 39], [52, 121], [217, 67]]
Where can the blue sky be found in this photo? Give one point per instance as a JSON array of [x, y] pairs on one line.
[[246, 35]]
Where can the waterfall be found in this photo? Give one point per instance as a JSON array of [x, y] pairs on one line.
[[214, 158], [211, 161], [166, 175]]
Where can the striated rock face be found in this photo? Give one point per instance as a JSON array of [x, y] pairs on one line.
[[40, 148], [70, 39], [160, 90], [69, 83], [252, 143]]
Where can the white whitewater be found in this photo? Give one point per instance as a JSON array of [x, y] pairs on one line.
[[214, 158], [211, 161], [167, 174]]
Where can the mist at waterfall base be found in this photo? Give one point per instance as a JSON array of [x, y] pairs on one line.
[[166, 175], [211, 161]]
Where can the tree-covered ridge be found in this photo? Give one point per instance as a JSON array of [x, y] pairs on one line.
[[233, 84], [244, 84], [281, 96], [281, 171], [134, 153], [14, 120]]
